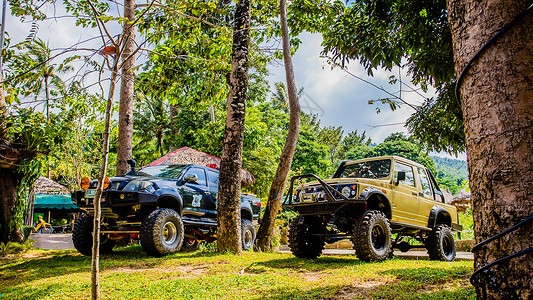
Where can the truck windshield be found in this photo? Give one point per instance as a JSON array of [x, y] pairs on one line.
[[160, 171], [367, 169]]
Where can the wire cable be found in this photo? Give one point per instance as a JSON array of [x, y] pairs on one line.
[[485, 47]]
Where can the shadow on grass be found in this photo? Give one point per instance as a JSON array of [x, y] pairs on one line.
[[409, 283], [326, 262], [56, 263]]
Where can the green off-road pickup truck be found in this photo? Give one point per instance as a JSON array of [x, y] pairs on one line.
[[367, 201], [167, 207]]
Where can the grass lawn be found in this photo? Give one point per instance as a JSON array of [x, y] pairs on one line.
[[129, 274]]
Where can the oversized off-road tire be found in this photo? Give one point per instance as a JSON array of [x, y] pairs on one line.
[[162, 232], [82, 237], [372, 237], [302, 242], [248, 235], [190, 245], [440, 243]]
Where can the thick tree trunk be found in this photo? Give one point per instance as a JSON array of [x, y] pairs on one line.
[[95, 270], [9, 181], [496, 97], [3, 112], [229, 190], [125, 125], [264, 235]]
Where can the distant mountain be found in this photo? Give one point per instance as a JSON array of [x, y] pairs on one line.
[[450, 173], [449, 166]]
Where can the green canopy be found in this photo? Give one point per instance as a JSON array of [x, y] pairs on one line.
[[48, 202]]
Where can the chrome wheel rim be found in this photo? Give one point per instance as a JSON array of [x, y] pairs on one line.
[[169, 233]]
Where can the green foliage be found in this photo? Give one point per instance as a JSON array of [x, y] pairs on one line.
[[467, 221], [451, 173], [386, 34], [16, 248]]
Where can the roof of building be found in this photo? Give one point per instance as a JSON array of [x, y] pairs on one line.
[[187, 155]]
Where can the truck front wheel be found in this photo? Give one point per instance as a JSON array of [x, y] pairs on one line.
[[82, 237], [372, 237], [303, 241], [440, 244], [162, 232]]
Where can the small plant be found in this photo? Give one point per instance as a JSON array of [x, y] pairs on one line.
[[3, 248], [208, 248]]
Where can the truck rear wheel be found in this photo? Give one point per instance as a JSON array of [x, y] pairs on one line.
[[82, 237], [302, 242], [372, 237], [248, 235], [190, 245], [162, 232], [440, 244]]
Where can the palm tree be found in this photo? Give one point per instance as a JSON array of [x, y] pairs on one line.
[[37, 73], [152, 122]]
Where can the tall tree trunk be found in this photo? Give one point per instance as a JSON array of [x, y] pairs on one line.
[[9, 181], [3, 111], [125, 125], [496, 97], [95, 270], [229, 191], [173, 119], [264, 235], [47, 89]]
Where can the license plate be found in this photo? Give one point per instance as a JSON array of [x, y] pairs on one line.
[[90, 193]]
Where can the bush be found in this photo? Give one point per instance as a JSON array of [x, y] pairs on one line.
[[27, 230], [15, 248]]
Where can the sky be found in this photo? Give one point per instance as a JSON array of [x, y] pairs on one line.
[[337, 97]]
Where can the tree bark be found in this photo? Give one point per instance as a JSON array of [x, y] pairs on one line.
[[266, 230], [229, 190], [95, 270], [496, 97], [125, 125], [9, 181]]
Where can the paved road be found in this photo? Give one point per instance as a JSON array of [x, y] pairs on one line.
[[64, 241], [413, 254], [53, 241]]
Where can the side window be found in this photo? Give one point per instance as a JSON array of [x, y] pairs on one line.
[[213, 178], [409, 177], [200, 173], [435, 187], [426, 187]]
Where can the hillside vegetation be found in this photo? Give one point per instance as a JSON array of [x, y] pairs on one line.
[[451, 173]]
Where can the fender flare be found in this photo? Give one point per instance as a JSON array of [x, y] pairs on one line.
[[370, 192], [434, 216], [245, 207], [176, 197]]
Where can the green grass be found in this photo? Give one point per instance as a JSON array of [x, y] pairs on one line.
[[129, 274]]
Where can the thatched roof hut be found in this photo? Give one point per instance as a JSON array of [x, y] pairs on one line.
[[44, 185], [461, 200], [187, 155]]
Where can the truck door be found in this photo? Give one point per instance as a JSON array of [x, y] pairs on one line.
[[196, 194], [427, 200], [405, 195], [212, 181]]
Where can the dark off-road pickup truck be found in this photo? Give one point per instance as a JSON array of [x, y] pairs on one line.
[[368, 201], [167, 208]]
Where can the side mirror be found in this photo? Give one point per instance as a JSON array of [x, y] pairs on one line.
[[191, 178], [132, 163], [400, 176]]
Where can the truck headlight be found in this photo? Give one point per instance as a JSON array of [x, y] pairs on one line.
[[134, 186], [346, 191]]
